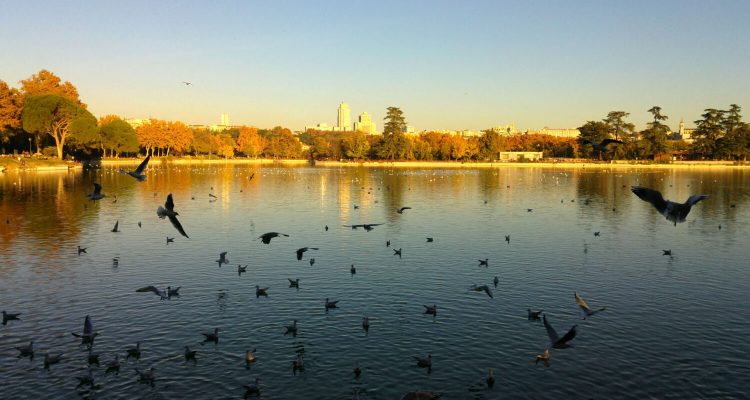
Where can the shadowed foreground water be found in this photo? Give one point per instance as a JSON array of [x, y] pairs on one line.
[[675, 327]]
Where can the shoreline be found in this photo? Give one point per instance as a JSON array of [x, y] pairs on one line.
[[54, 165]]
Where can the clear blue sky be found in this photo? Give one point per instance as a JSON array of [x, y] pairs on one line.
[[446, 64]]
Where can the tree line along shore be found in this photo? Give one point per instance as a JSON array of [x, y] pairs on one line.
[[45, 117]]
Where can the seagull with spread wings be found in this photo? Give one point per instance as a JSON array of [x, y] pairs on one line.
[[556, 341], [138, 172], [169, 212], [674, 212], [97, 193], [586, 311]]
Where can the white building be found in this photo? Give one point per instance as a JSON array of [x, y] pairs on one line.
[[365, 124], [323, 127], [224, 119], [344, 118], [563, 132]]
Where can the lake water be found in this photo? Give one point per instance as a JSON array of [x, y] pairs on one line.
[[675, 327]]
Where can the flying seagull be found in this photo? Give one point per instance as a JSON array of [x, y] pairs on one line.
[[586, 311], [303, 250], [186, 83], [88, 335], [556, 341], [603, 145], [162, 294], [168, 211], [674, 212], [97, 193], [401, 210], [483, 288], [266, 237], [9, 317], [138, 172], [222, 258]]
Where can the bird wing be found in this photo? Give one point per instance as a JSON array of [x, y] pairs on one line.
[[586, 141], [177, 225], [169, 204], [488, 291], [695, 198], [142, 165], [553, 338], [148, 289], [651, 196], [569, 336], [582, 303], [117, 223], [88, 327], [405, 208], [222, 255]]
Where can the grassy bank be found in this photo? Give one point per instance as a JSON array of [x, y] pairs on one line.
[[35, 164]]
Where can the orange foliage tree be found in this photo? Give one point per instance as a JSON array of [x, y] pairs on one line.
[[250, 142]]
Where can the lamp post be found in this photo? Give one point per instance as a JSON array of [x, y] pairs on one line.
[[30, 147]]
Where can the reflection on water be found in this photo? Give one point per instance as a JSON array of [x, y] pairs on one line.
[[675, 326]]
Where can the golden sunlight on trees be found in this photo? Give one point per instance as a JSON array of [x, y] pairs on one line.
[[117, 136], [60, 118], [45, 82], [164, 136], [11, 104], [250, 142]]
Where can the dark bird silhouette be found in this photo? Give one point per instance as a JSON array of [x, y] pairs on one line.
[[667, 252], [302, 251], [484, 263], [168, 211], [401, 210], [134, 352], [92, 358], [596, 233], [186, 83], [397, 252], [81, 250], [252, 389], [556, 341], [26, 351], [674, 212], [430, 240], [353, 270], [533, 315], [222, 258], [423, 362], [113, 366], [241, 269], [116, 228], [138, 172], [387, 243], [490, 379], [162, 294], [299, 363], [357, 371], [326, 228], [146, 376], [88, 335], [432, 310], [586, 311], [292, 328], [10, 317], [529, 210], [259, 291], [495, 281], [366, 323], [170, 240], [212, 337], [602, 146], [483, 288], [173, 292], [331, 304], [139, 224], [266, 237], [507, 239], [190, 354], [97, 193], [293, 283], [85, 380], [312, 262]]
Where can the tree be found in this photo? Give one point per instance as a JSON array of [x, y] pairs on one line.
[[45, 82], [117, 136], [594, 131], [654, 138], [226, 145], [60, 118], [490, 145], [735, 141], [249, 142], [395, 122], [11, 103], [355, 145], [179, 137], [616, 121], [708, 131]]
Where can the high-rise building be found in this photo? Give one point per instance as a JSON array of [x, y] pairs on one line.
[[345, 117], [365, 124], [224, 119]]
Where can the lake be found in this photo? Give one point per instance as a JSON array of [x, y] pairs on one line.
[[675, 326]]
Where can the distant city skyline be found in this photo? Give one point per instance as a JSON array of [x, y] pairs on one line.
[[451, 65]]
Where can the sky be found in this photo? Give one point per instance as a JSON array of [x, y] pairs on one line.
[[447, 64]]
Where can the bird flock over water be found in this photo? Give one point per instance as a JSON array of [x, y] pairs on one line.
[[674, 212]]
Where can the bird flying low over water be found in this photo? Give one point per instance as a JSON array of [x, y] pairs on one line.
[[168, 211], [367, 227], [138, 172], [266, 237], [401, 210], [556, 341], [97, 193], [88, 335], [483, 288], [302, 250], [162, 294], [430, 309], [9, 317], [674, 212], [586, 311], [222, 258], [602, 146]]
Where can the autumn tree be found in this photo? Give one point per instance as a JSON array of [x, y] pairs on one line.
[[149, 135], [355, 145], [227, 145], [60, 118], [205, 142], [179, 137], [280, 143], [250, 142], [11, 103], [117, 136]]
